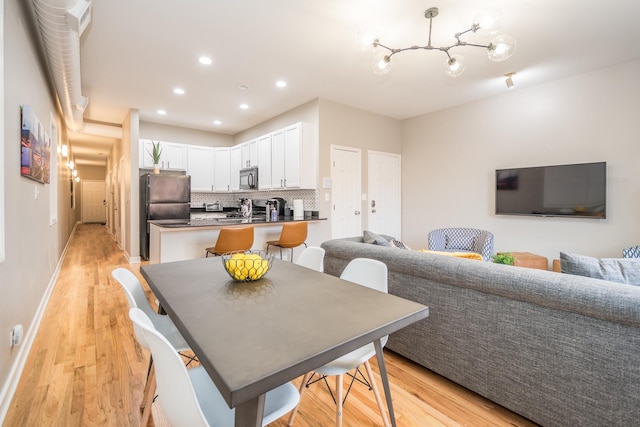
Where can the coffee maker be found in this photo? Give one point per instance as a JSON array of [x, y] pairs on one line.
[[279, 204]]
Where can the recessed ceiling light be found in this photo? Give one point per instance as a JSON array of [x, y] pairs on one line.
[[281, 83], [244, 106], [178, 91], [162, 112], [205, 60], [217, 122]]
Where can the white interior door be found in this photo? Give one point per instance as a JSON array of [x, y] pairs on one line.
[[94, 201], [346, 218], [121, 203], [384, 205]]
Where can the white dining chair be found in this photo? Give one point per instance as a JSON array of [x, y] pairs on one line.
[[311, 257], [188, 397], [137, 298], [373, 274]]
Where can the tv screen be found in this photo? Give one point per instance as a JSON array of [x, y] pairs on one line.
[[577, 190]]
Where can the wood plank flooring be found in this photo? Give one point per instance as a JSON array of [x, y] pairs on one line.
[[85, 368]]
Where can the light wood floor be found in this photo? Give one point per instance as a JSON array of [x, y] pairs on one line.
[[85, 368]]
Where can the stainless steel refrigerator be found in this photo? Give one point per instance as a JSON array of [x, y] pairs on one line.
[[162, 196]]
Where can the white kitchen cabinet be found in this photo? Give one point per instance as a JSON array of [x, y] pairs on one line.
[[264, 162], [235, 163], [249, 151], [200, 162], [173, 155], [294, 157], [222, 169], [146, 147], [277, 159]]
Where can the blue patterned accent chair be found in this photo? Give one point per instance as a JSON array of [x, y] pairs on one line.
[[632, 252], [462, 240]]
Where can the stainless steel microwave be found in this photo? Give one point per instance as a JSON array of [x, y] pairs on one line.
[[249, 178]]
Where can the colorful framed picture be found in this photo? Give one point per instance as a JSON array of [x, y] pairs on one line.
[[35, 147]]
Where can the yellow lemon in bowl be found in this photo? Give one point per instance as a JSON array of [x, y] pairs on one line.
[[247, 266]]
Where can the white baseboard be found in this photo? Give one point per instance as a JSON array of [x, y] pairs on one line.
[[10, 386]]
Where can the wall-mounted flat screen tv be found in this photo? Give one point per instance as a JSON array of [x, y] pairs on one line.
[[577, 190]]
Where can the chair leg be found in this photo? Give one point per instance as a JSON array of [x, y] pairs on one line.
[[148, 399], [376, 393], [303, 387], [339, 380]]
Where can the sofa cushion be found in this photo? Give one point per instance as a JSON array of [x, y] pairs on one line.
[[376, 239], [621, 270]]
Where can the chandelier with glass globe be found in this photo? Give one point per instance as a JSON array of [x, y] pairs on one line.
[[499, 49]]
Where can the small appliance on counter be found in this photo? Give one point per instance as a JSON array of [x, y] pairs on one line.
[[213, 207], [279, 204], [246, 208]]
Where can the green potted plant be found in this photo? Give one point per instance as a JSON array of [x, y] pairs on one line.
[[155, 154], [503, 258]]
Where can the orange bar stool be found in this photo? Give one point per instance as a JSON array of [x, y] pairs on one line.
[[293, 234], [232, 239]]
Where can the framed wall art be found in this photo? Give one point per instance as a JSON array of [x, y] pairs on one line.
[[35, 147]]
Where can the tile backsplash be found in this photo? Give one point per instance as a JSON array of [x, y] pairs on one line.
[[309, 197]]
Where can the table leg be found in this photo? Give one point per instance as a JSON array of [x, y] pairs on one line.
[[385, 380], [250, 413]]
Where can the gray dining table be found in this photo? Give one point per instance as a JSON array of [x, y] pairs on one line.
[[252, 337]]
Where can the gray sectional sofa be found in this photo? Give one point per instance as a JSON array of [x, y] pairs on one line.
[[558, 349]]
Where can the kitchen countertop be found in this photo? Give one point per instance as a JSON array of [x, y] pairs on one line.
[[185, 223]]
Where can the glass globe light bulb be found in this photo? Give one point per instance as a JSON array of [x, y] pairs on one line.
[[455, 65], [487, 23], [381, 64], [367, 38], [501, 48]]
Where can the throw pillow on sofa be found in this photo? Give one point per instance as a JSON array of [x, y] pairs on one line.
[[376, 239], [398, 244], [621, 270]]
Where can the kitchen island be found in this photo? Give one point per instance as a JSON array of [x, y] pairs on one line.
[[181, 239]]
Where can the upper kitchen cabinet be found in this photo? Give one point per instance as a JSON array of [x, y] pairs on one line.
[[222, 169], [173, 155], [264, 160], [294, 157], [235, 162], [249, 152], [201, 161]]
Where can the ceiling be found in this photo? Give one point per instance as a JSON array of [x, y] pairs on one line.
[[134, 53]]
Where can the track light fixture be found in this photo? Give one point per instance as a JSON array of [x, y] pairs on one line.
[[509, 80], [500, 48]]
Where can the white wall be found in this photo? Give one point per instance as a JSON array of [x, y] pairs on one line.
[[450, 157], [33, 245], [182, 135], [351, 127]]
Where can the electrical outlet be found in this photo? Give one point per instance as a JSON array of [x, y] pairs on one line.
[[16, 335], [36, 192]]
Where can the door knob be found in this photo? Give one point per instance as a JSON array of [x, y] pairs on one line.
[[373, 211], [356, 213]]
